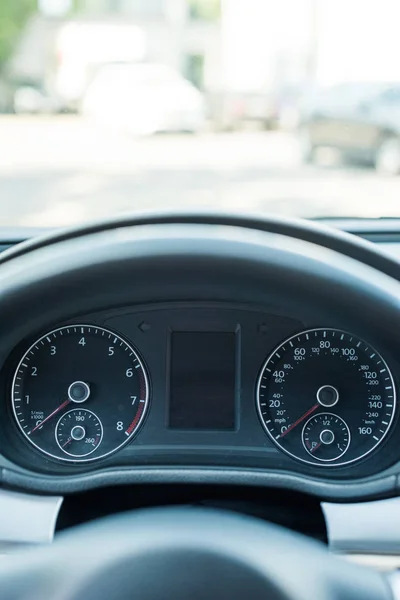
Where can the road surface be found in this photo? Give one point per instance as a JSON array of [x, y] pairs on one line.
[[63, 170]]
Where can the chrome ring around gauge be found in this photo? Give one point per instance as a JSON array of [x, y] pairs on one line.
[[318, 371], [80, 370]]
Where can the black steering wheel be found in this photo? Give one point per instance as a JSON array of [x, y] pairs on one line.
[[184, 553]]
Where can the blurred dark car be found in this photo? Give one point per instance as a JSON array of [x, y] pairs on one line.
[[362, 121]]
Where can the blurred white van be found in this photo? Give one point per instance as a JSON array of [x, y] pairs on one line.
[[144, 99], [84, 47]]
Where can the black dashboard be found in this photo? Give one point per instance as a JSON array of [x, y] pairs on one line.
[[183, 384], [196, 371]]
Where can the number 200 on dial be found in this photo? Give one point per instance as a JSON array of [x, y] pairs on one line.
[[326, 397]]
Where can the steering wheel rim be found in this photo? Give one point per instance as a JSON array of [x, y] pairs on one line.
[[311, 231], [183, 553]]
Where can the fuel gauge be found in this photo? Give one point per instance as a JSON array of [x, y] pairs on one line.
[[326, 437]]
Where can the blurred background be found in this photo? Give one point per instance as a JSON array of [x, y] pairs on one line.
[[112, 106]]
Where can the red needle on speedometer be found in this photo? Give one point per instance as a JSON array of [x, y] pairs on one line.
[[63, 405], [306, 414]]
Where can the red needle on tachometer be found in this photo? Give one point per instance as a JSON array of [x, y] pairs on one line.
[[63, 405], [306, 414]]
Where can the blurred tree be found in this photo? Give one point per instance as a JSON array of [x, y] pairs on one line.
[[13, 16], [78, 5], [208, 10]]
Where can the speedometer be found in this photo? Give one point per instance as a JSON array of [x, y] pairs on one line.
[[326, 397]]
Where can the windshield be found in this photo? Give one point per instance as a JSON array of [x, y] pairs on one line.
[[109, 107]]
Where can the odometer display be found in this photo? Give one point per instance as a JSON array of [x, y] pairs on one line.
[[326, 397], [79, 393]]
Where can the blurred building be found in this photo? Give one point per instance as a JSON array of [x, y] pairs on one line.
[[176, 34], [369, 41]]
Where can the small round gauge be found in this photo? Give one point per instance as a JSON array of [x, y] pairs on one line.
[[74, 372], [79, 432], [317, 372], [326, 437]]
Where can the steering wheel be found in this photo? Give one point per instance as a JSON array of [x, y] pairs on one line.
[[186, 553]]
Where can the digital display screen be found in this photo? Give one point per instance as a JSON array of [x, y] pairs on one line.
[[202, 384]]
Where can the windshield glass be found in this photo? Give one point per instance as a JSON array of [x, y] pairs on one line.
[[114, 106]]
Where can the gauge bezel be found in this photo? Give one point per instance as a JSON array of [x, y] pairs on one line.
[[317, 463], [77, 460]]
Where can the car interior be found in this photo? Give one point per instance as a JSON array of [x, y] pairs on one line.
[[199, 300], [200, 404]]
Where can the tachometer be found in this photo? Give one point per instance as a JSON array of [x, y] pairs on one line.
[[326, 397], [79, 393]]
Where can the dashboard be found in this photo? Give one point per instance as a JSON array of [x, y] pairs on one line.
[[199, 384], [187, 363], [198, 370], [223, 361]]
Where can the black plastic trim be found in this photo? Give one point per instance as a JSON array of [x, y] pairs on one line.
[[367, 489]]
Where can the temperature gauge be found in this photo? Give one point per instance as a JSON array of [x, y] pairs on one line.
[[79, 432], [326, 437]]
